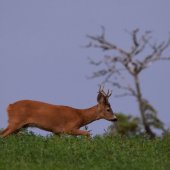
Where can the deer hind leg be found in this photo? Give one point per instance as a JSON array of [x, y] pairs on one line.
[[4, 131], [12, 128]]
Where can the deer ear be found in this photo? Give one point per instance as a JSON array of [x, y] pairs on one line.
[[100, 98]]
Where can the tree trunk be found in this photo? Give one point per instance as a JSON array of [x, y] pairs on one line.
[[147, 128]]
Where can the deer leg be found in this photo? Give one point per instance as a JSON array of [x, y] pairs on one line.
[[4, 131], [79, 132], [9, 130]]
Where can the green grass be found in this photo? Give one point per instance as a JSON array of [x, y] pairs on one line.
[[29, 151]]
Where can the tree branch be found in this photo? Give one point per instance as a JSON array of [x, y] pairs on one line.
[[123, 95], [132, 91], [105, 45]]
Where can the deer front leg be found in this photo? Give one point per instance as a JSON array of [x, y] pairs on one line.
[[79, 132]]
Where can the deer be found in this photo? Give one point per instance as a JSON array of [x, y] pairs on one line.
[[57, 118]]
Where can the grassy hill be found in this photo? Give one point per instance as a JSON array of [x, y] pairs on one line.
[[29, 151]]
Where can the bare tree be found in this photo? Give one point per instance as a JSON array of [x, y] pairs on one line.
[[130, 64]]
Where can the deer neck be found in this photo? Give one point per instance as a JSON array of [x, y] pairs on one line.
[[90, 115]]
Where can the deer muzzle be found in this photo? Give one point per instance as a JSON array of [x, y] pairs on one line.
[[114, 120]]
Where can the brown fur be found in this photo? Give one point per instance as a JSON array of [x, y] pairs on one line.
[[53, 118]]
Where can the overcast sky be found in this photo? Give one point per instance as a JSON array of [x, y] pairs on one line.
[[41, 54]]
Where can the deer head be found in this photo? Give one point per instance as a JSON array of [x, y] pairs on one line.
[[104, 105]]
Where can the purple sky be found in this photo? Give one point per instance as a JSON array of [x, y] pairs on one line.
[[41, 57]]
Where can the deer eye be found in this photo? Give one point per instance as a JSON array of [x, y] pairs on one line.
[[108, 110]]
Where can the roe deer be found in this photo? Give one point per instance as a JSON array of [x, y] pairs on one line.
[[57, 119]]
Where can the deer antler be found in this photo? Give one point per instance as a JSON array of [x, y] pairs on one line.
[[102, 91], [110, 93]]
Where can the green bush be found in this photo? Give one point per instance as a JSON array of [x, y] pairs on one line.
[[126, 125]]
